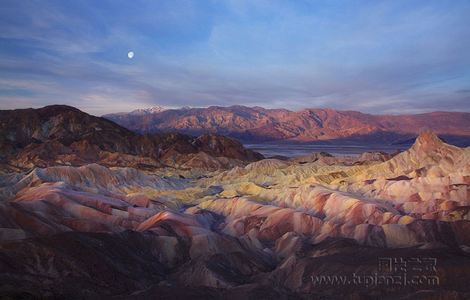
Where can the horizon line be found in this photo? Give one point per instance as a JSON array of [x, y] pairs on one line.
[[236, 105]]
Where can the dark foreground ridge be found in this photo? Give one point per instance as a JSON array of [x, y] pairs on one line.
[[131, 265]]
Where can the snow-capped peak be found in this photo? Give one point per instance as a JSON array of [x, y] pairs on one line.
[[148, 111]]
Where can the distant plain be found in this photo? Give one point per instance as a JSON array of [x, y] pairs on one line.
[[296, 149]]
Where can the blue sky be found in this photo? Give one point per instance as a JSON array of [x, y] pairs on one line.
[[372, 56]]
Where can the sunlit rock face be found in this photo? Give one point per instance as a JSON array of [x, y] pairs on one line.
[[221, 222], [307, 125], [429, 180]]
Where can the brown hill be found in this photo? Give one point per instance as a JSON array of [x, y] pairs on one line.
[[63, 135], [308, 125]]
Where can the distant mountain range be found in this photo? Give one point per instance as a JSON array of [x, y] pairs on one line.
[[142, 111], [257, 124]]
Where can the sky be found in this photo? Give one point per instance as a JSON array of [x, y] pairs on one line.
[[381, 57]]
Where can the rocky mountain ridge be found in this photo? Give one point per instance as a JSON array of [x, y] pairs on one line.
[[309, 125], [63, 135]]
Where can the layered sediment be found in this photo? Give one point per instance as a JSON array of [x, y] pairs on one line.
[[222, 224]]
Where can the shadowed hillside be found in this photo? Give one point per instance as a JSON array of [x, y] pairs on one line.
[[63, 135]]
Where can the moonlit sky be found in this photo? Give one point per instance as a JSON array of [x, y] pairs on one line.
[[372, 56]]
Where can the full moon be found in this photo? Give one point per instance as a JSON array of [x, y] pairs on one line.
[[130, 54]]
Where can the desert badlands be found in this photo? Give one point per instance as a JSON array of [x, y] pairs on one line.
[[90, 209]]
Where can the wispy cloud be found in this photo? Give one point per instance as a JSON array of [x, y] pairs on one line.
[[381, 57]]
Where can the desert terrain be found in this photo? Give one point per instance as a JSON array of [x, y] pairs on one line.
[[89, 209]]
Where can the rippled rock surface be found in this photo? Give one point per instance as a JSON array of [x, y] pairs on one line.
[[219, 222]]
